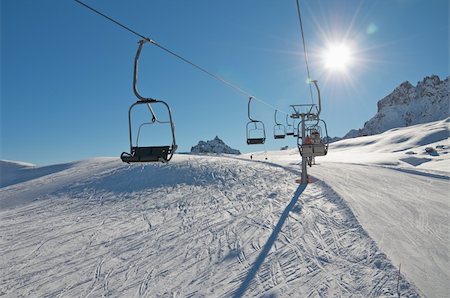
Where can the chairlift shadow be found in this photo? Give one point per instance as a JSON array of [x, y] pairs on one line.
[[270, 242]]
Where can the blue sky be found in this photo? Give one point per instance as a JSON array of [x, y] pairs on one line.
[[66, 73]]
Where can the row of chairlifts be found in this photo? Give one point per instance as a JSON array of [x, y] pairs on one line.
[[309, 143], [148, 153], [256, 132], [311, 131]]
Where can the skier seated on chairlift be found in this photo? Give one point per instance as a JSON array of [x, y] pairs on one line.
[[315, 136], [308, 140]]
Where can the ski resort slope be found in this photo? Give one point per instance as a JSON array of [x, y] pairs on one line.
[[406, 214], [200, 226], [399, 193]]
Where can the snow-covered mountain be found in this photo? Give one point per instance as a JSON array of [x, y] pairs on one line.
[[12, 172], [422, 146], [215, 145], [408, 105]]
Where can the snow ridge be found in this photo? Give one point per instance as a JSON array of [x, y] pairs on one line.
[[409, 105], [213, 146]]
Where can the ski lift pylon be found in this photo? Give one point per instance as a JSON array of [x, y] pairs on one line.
[[312, 143], [147, 153]]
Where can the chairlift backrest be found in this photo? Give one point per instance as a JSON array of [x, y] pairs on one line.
[[289, 127]]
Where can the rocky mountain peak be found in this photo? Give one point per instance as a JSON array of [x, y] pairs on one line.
[[409, 105], [215, 145]]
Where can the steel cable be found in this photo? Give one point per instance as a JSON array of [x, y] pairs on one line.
[[167, 50]]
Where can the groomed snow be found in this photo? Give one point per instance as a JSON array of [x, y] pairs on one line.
[[226, 226], [398, 192], [400, 147], [200, 226]]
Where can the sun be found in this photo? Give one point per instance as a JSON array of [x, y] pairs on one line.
[[337, 57]]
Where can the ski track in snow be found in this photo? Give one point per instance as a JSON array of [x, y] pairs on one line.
[[193, 228], [405, 212]]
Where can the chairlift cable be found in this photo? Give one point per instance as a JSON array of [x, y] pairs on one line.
[[112, 20], [304, 49], [214, 76]]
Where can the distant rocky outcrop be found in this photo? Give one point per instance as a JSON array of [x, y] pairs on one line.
[[409, 105], [216, 146]]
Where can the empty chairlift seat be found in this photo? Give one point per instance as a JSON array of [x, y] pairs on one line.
[[146, 154], [255, 141], [256, 132], [279, 130]]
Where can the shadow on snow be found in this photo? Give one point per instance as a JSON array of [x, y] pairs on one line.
[[273, 237]]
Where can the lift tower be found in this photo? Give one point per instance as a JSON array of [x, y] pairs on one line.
[[310, 123]]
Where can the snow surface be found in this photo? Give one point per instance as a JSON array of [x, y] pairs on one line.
[[199, 226], [399, 193], [399, 147], [221, 226], [408, 218]]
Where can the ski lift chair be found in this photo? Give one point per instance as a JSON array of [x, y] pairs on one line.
[[256, 132], [289, 127], [314, 149], [296, 130], [148, 153], [279, 130]]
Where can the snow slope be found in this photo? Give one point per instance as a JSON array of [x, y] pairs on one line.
[[200, 226], [406, 214], [12, 172], [400, 147], [399, 193]]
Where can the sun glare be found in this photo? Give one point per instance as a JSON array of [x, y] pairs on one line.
[[337, 57]]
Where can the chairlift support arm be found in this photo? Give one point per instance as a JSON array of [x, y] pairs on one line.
[[135, 79], [276, 122], [319, 101], [248, 110]]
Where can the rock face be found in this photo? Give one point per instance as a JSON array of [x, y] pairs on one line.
[[213, 146], [409, 105]]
